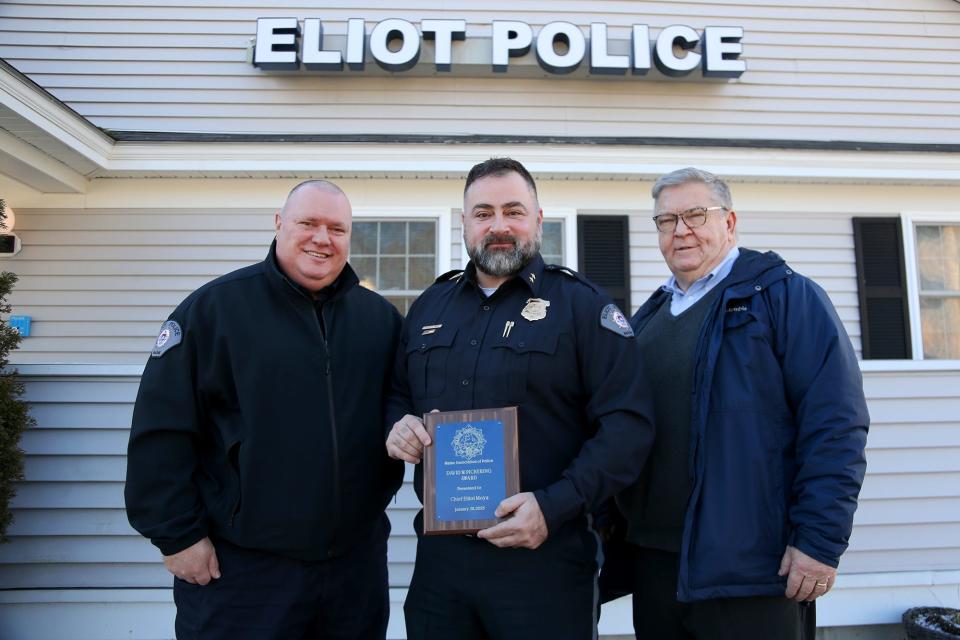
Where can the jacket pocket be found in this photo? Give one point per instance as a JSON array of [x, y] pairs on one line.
[[427, 361]]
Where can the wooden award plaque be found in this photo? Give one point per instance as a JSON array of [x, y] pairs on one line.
[[470, 467]]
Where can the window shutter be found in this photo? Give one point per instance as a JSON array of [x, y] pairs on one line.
[[882, 285], [604, 253]]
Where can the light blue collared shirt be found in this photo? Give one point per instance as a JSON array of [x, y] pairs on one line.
[[680, 301]]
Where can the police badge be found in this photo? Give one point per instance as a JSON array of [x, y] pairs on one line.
[[536, 309]]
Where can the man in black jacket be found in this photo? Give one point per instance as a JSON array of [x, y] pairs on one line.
[[256, 461]]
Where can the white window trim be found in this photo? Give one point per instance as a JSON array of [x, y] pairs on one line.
[[907, 220], [568, 217], [571, 257], [439, 215]]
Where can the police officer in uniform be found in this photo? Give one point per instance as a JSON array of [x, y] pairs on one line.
[[510, 330], [256, 460]]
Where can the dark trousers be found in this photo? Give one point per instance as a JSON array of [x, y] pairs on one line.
[[467, 589], [658, 616], [262, 596]]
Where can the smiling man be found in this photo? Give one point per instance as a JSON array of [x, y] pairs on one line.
[[256, 460], [510, 330], [743, 510]]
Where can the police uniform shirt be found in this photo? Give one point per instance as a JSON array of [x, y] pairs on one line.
[[551, 343]]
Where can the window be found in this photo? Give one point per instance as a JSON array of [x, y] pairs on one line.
[[551, 248], [396, 258], [908, 276], [938, 278]]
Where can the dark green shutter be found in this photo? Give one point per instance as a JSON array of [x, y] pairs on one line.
[[604, 249], [882, 285]]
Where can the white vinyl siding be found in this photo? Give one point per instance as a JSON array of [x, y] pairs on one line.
[[849, 70]]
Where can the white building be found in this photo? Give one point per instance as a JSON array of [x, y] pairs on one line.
[[144, 155]]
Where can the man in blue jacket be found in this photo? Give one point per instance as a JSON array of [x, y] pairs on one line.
[[745, 506]]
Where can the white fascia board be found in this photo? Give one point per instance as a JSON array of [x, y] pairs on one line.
[[575, 160], [48, 114], [36, 169]]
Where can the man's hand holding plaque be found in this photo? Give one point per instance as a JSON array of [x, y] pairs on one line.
[[523, 524], [407, 439]]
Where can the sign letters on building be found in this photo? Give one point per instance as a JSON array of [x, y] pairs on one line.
[[560, 47]]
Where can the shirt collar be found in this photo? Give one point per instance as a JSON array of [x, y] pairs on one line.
[[719, 272], [531, 275]]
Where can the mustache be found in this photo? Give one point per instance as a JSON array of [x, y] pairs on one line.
[[491, 238]]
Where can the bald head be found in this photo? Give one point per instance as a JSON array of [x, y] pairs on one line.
[[313, 234], [310, 185]]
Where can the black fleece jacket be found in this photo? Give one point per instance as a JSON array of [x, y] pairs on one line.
[[263, 425]]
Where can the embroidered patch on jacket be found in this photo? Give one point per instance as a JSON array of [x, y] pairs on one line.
[[613, 319], [169, 337]]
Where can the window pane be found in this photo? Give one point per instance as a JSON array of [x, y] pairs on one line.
[[951, 256], [931, 274], [940, 325], [363, 238], [393, 273], [366, 269], [938, 257], [421, 273], [393, 238], [552, 241], [422, 238]]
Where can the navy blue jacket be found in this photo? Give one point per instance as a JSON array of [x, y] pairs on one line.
[[584, 426], [777, 434], [263, 426]]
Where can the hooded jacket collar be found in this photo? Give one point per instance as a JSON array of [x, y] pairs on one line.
[[752, 272]]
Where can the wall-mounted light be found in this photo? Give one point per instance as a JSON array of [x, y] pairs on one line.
[[9, 242]]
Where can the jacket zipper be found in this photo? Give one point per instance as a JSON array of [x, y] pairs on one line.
[[239, 500], [333, 427]]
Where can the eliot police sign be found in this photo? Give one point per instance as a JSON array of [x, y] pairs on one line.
[[396, 45]]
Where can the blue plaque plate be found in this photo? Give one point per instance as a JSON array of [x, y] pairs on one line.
[[469, 470]]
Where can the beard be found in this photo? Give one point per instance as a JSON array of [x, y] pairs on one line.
[[503, 262]]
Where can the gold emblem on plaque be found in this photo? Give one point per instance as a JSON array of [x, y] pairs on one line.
[[536, 309]]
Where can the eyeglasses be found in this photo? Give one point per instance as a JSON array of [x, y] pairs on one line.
[[693, 218]]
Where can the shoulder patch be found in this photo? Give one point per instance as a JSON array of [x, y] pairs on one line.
[[449, 275], [612, 319], [169, 337]]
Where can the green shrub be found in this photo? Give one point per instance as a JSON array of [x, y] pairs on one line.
[[14, 419]]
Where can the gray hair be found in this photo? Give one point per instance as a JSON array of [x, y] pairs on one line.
[[691, 174]]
